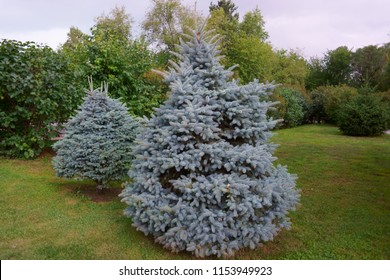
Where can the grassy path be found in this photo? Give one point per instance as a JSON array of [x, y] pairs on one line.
[[344, 211]]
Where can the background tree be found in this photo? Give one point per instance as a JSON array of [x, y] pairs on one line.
[[369, 65], [76, 38], [242, 43], [97, 141], [327, 101], [253, 25], [110, 54], [338, 66], [255, 59], [203, 178], [116, 26], [384, 82], [316, 73], [229, 8], [366, 68], [166, 21], [34, 94], [317, 112], [335, 68], [290, 69], [228, 28]]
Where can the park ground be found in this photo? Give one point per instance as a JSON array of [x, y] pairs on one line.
[[344, 211]]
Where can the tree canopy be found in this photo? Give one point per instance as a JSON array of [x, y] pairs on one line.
[[166, 21]]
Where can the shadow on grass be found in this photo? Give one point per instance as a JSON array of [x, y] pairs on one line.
[[87, 190]]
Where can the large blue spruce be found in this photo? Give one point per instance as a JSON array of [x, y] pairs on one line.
[[203, 173], [98, 140]]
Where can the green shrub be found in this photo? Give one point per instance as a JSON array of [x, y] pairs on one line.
[[124, 64], [292, 108], [36, 91], [385, 98], [325, 102], [364, 115], [335, 98], [316, 105]]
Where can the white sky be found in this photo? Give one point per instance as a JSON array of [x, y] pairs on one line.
[[311, 26]]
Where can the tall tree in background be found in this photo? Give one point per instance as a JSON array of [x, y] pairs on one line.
[[76, 38], [335, 68], [369, 66], [229, 8], [253, 25], [316, 76], [245, 43], [116, 26], [338, 66], [242, 43], [385, 81], [255, 59], [76, 51], [291, 69], [110, 54], [228, 28], [166, 21]]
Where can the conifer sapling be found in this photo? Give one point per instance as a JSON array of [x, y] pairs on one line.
[[203, 173], [97, 141]]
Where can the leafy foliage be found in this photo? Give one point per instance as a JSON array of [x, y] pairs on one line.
[[228, 28], [335, 98], [364, 115], [244, 43], [317, 101], [37, 90], [326, 102], [316, 74], [110, 55], [203, 174], [253, 25], [256, 59], [228, 7], [97, 141], [369, 67], [113, 27], [292, 107], [166, 21], [290, 69], [338, 66]]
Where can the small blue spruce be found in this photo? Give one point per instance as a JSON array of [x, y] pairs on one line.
[[98, 141]]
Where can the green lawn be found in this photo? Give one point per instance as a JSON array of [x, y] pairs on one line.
[[344, 211]]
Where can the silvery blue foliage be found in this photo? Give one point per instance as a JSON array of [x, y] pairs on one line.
[[203, 173], [97, 141]]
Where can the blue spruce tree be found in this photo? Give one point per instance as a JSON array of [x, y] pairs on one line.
[[97, 141], [203, 173]]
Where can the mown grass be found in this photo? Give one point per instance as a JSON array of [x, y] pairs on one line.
[[344, 211]]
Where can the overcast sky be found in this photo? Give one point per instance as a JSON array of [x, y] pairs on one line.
[[311, 26]]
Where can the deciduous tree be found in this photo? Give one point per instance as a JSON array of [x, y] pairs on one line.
[[166, 21]]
